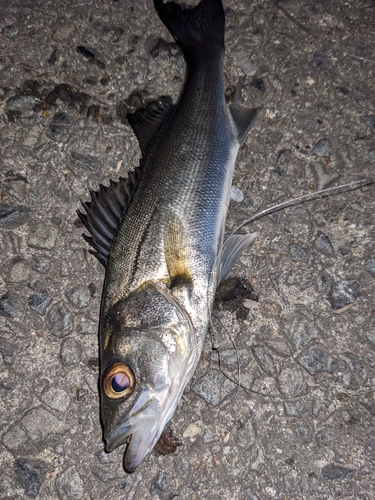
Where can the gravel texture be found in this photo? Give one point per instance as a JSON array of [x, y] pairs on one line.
[[301, 424]]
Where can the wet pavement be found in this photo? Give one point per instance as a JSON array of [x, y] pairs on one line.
[[301, 422]]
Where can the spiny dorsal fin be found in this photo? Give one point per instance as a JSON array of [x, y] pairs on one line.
[[147, 122], [244, 119], [105, 211]]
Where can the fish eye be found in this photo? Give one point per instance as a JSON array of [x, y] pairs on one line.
[[118, 381]]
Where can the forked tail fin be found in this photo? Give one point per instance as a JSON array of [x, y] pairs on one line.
[[195, 28]]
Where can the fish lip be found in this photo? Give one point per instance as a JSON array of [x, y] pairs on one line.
[[117, 437], [120, 434]]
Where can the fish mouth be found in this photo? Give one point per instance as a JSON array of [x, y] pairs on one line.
[[140, 444], [143, 426]]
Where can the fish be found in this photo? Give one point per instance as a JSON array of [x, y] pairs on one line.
[[159, 233]]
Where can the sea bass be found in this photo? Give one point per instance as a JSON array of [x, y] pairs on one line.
[[159, 233]]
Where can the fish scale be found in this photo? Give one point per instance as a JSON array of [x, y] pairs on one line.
[[166, 256]]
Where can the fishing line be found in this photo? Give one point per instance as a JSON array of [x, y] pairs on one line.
[[238, 383], [323, 193]]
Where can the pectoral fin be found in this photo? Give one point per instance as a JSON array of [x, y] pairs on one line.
[[232, 250]]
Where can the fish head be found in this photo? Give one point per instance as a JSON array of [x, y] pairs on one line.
[[146, 361]]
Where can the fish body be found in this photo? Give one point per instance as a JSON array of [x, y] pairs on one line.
[[160, 235]]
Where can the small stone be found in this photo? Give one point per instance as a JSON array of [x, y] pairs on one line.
[[90, 162], [245, 436], [349, 381], [275, 82], [296, 408], [104, 474], [42, 237], [324, 283], [236, 194], [214, 387], [368, 402], [370, 121], [343, 294], [264, 359], [12, 217], [369, 357], [31, 474], [291, 383], [370, 335], [87, 327], [20, 272], [71, 352], [333, 471], [9, 307], [325, 436], [319, 60], [230, 358], [297, 252], [39, 301], [353, 362], [245, 64], [256, 459], [40, 264], [160, 49], [344, 251], [342, 93], [81, 394], [322, 148], [79, 296], [60, 320], [22, 106], [351, 416], [370, 265], [40, 424], [7, 352], [14, 438], [105, 458], [323, 244], [302, 331], [57, 399], [191, 431], [59, 126], [69, 485], [316, 360], [305, 433], [160, 483]]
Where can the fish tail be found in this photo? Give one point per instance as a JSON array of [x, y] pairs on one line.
[[196, 29]]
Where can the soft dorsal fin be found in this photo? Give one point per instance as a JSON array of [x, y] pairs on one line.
[[105, 211], [232, 250], [244, 119], [146, 122]]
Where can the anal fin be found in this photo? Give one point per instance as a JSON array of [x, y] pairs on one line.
[[244, 119]]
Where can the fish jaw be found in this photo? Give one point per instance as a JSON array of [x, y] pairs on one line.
[[144, 424]]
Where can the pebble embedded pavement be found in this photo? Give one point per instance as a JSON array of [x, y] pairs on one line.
[[301, 426]]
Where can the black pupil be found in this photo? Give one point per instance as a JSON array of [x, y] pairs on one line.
[[120, 382]]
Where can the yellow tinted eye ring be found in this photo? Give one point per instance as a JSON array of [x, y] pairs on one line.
[[118, 381]]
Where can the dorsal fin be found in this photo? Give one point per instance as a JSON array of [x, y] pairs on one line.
[[147, 122], [244, 119], [105, 211]]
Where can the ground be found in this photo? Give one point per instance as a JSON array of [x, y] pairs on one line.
[[301, 423]]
